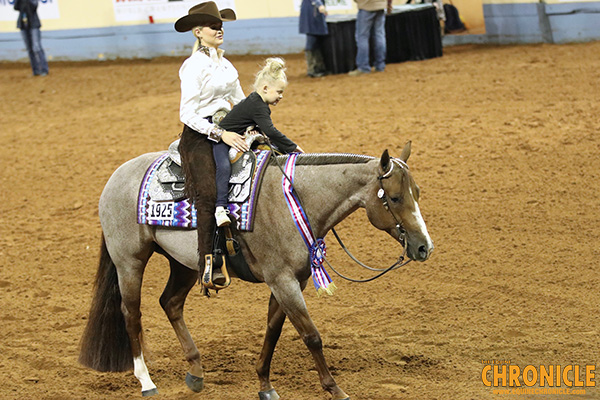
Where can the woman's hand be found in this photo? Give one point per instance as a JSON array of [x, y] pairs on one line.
[[234, 140], [323, 10]]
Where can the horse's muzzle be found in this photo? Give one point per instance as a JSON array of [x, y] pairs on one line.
[[421, 251]]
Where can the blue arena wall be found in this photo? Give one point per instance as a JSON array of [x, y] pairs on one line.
[[542, 22], [256, 36], [506, 23]]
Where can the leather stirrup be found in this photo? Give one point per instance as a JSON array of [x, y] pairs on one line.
[[214, 262]]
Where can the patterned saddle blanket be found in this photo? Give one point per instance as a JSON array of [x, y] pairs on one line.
[[161, 199]]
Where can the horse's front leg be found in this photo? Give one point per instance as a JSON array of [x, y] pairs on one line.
[[275, 320], [288, 292]]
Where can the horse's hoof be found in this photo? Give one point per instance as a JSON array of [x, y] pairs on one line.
[[195, 383], [270, 394], [149, 392]]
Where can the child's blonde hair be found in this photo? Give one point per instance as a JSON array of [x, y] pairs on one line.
[[273, 71]]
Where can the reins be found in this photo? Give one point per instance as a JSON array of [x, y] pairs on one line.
[[383, 196]]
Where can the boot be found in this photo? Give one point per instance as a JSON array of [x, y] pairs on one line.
[[320, 68], [311, 64]]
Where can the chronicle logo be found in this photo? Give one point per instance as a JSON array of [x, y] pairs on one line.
[[547, 379]]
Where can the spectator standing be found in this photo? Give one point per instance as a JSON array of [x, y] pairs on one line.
[[313, 25], [370, 23], [29, 24]]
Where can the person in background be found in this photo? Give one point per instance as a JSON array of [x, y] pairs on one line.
[[313, 25], [209, 87], [370, 24], [29, 24]]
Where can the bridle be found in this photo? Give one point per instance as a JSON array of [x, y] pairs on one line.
[[401, 232], [381, 194]]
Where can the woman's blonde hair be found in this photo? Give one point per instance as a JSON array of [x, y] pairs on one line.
[[197, 43], [273, 71]]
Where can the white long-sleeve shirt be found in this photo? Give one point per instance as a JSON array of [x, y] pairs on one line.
[[208, 83]]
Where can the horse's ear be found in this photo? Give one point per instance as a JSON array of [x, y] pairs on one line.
[[405, 152], [384, 164]]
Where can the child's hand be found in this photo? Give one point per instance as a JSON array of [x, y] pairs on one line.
[[234, 140]]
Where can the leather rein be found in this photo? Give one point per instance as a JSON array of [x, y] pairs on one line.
[[381, 194]]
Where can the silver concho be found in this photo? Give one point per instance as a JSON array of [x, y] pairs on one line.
[[219, 115]]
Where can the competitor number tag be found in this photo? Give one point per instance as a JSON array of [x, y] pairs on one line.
[[161, 211]]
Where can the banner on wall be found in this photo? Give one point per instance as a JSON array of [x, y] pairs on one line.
[[330, 4], [47, 9], [144, 10]]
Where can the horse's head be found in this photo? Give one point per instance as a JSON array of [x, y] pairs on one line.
[[394, 206]]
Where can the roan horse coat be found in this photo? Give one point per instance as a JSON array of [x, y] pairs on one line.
[[331, 187]]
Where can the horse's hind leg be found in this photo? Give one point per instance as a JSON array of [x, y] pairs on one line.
[[288, 292], [130, 286], [275, 321], [181, 281]]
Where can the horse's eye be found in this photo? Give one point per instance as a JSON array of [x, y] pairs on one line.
[[395, 199]]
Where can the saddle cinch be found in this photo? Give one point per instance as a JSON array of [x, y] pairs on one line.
[[167, 187]]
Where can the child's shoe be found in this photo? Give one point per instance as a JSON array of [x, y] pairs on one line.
[[222, 217]]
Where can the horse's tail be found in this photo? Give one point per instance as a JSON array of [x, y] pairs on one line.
[[105, 344]]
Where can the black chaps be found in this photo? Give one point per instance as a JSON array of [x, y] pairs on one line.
[[200, 184]]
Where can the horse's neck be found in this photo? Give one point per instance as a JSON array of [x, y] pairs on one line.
[[332, 192]]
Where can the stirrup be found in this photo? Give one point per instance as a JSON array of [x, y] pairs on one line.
[[215, 274]]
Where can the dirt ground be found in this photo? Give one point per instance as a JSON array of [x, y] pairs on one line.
[[506, 145]]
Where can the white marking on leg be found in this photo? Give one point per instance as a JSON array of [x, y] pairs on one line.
[[141, 372]]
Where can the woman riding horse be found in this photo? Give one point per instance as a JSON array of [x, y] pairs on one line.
[[209, 86]]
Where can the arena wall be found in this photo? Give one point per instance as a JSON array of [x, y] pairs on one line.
[[83, 30], [545, 22]]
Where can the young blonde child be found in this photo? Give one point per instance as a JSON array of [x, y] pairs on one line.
[[269, 85]]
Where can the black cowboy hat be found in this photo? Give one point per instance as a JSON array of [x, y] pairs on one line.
[[204, 14]]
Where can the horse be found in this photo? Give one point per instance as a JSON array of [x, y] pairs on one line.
[[332, 187]]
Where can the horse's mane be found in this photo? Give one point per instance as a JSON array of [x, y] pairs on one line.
[[326, 159]]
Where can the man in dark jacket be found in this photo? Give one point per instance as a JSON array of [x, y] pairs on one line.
[[29, 24]]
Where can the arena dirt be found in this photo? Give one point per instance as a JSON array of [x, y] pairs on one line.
[[506, 144]]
